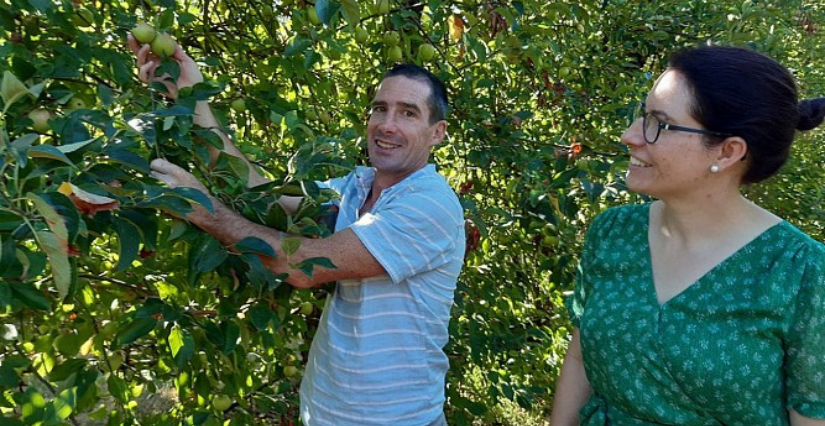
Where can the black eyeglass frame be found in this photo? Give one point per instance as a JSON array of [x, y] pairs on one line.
[[666, 126]]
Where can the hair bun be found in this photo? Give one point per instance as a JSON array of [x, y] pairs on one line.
[[811, 113]]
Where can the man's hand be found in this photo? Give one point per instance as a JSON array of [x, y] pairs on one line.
[[147, 63], [176, 177]]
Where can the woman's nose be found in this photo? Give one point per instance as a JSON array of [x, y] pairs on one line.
[[633, 135]]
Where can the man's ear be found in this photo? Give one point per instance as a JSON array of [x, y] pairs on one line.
[[439, 133], [731, 151]]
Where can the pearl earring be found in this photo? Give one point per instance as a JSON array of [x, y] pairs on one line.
[[714, 169]]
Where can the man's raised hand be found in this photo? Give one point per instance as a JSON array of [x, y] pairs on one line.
[[147, 63]]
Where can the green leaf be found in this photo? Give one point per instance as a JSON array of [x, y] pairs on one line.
[[231, 332], [11, 89], [118, 388], [254, 245], [64, 403], [8, 377], [239, 166], [49, 152], [5, 297], [129, 242], [175, 340], [260, 315], [206, 254], [290, 245], [53, 246], [195, 195], [135, 330], [66, 369], [30, 296], [326, 11], [181, 344], [128, 158], [300, 44], [351, 13], [308, 265]]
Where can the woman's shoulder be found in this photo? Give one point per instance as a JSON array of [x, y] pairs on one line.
[[797, 243]]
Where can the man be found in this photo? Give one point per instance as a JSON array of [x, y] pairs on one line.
[[377, 357]]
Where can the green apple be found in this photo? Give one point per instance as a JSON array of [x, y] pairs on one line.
[[221, 402], [383, 7], [76, 103], [312, 14], [311, 115], [361, 35], [143, 32], [163, 45], [239, 105], [395, 54], [290, 371], [391, 38], [307, 308], [426, 52], [41, 117]]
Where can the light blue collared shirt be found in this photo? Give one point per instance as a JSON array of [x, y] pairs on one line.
[[377, 357]]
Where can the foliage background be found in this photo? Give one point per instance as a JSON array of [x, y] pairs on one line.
[[124, 316]]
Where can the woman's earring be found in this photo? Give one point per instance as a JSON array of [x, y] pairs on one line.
[[714, 169]]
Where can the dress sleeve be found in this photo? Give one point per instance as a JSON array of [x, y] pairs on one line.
[[805, 353], [578, 300], [418, 233]]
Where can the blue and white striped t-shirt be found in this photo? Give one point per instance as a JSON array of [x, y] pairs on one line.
[[377, 357]]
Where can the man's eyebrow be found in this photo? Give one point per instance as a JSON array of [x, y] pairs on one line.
[[410, 106], [407, 105]]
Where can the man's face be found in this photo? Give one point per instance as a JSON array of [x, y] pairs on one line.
[[399, 132]]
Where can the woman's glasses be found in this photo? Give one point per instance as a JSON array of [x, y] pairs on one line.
[[652, 126]]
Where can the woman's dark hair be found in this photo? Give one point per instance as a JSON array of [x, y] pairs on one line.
[[437, 101], [747, 94]]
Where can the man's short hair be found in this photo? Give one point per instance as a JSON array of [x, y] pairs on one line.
[[437, 101]]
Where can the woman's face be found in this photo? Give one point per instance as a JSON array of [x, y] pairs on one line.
[[677, 163]]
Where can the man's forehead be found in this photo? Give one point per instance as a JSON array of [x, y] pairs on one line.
[[404, 90]]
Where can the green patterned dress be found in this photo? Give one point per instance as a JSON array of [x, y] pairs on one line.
[[741, 346]]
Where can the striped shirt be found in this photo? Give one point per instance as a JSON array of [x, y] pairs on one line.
[[377, 357]]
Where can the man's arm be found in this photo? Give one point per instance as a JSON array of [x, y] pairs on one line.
[[344, 249], [191, 75]]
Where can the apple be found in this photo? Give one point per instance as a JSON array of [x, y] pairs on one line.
[[395, 54], [163, 45], [41, 117], [426, 52], [361, 35], [143, 32], [290, 371], [221, 402], [307, 308], [383, 7], [311, 115], [391, 38], [239, 105], [312, 14], [76, 103]]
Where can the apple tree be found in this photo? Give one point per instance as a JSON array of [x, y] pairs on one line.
[[115, 312]]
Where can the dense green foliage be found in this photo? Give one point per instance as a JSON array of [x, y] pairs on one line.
[[114, 313]]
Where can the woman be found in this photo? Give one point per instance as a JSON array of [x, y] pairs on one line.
[[701, 308]]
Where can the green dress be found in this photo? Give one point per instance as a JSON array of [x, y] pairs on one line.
[[741, 346]]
